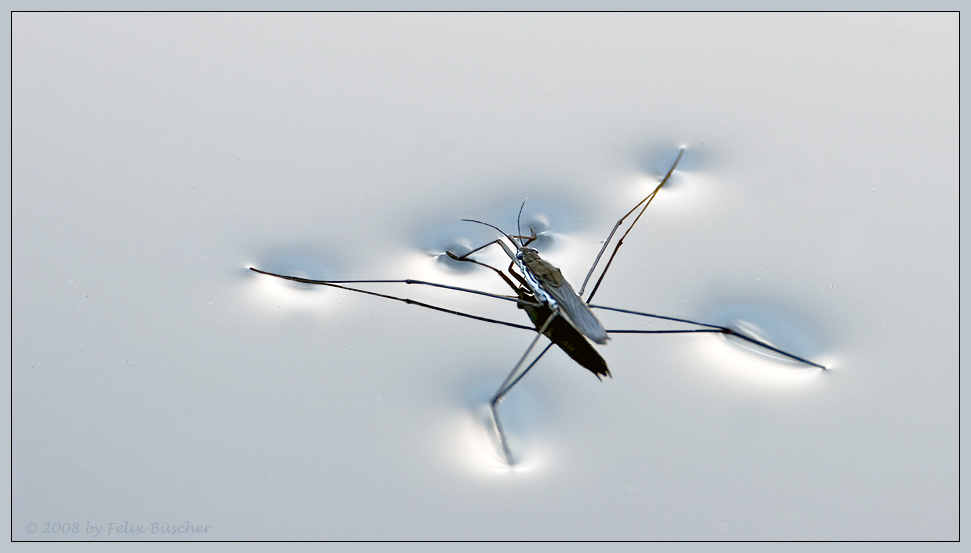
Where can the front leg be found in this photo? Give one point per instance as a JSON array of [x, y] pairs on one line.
[[522, 300], [465, 256], [529, 239]]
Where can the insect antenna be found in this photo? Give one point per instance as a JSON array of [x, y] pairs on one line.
[[519, 228]]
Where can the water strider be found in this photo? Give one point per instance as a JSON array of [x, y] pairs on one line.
[[554, 308]]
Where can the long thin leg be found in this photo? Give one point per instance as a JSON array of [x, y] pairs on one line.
[[728, 332], [646, 202], [501, 275], [653, 316], [335, 283], [507, 386], [406, 300], [495, 413], [511, 381], [707, 327], [515, 275], [470, 252], [496, 241]]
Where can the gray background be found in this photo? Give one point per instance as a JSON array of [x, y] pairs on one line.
[[156, 380]]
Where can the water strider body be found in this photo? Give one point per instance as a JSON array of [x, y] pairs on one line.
[[555, 310], [559, 295]]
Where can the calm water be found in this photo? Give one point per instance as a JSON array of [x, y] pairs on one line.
[[156, 379]]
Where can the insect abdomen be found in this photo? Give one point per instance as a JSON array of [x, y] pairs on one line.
[[562, 333]]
